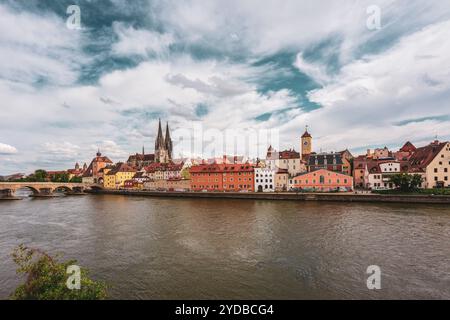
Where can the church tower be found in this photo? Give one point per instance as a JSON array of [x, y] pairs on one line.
[[163, 146], [168, 143], [306, 144]]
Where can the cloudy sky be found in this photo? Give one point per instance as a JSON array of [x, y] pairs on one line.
[[225, 65]]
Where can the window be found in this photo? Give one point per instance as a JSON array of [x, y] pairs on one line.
[[435, 170], [445, 169], [322, 180]]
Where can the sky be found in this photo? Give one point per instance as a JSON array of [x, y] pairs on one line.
[[239, 66]]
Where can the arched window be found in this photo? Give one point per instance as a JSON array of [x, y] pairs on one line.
[[322, 179]]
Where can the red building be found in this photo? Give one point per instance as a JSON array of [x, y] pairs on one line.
[[222, 177], [323, 180]]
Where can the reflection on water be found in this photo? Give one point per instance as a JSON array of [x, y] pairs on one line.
[[156, 248]]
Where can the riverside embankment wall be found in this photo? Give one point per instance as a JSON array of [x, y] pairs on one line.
[[340, 197]]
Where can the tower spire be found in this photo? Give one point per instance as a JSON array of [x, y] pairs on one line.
[[168, 142], [159, 143]]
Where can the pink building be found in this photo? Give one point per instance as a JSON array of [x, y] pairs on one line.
[[322, 180]]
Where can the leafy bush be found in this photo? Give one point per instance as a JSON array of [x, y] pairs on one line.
[[46, 278], [406, 182]]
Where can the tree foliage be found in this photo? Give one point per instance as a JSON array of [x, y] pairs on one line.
[[76, 180], [406, 182], [60, 177], [46, 278]]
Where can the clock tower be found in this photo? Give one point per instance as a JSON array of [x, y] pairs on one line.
[[306, 142]]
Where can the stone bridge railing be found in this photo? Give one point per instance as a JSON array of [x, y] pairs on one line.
[[8, 189]]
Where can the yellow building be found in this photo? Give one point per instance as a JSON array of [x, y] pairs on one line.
[[432, 162], [281, 180], [114, 178], [171, 185]]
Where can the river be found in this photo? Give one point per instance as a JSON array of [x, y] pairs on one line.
[[159, 248]]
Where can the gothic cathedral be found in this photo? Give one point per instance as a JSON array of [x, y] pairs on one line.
[[163, 146]]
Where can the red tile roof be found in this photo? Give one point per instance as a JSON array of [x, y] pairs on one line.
[[408, 147], [220, 168], [422, 157], [289, 154]]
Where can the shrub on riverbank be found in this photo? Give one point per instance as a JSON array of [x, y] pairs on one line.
[[415, 192], [47, 278]]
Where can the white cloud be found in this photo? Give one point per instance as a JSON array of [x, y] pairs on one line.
[[315, 71], [61, 149], [139, 42], [7, 149], [363, 104], [37, 48], [110, 149]]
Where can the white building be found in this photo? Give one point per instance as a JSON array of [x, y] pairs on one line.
[[264, 180], [379, 176], [289, 160]]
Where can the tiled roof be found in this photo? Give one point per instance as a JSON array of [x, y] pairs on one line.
[[102, 159], [220, 168], [408, 147], [289, 154], [306, 135], [120, 167], [329, 158], [141, 157], [423, 156], [164, 167]]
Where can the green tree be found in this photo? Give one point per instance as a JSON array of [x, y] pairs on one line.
[[46, 278], [40, 175], [60, 177], [406, 182], [76, 180]]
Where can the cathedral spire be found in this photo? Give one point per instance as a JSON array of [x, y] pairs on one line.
[[168, 142], [159, 143]]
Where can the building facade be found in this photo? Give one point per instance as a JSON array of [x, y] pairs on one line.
[[264, 180], [116, 176], [289, 160], [432, 162], [168, 185], [380, 173], [327, 161], [94, 173], [322, 180], [222, 177], [281, 180]]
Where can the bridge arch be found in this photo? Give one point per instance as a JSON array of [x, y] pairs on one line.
[[96, 187], [63, 188], [34, 190]]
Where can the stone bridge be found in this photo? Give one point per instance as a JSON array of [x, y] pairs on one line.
[[8, 189]]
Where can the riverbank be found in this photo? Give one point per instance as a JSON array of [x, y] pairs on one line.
[[337, 197]]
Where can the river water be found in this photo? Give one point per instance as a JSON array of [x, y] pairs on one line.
[[157, 248]]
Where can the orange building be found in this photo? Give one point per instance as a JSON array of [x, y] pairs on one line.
[[322, 180], [222, 177]]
